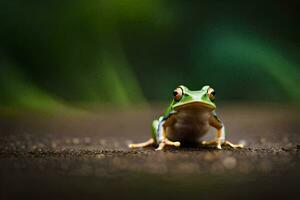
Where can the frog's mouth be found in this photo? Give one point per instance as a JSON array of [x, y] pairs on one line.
[[194, 105]]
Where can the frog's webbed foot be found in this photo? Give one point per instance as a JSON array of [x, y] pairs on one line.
[[165, 142], [143, 144], [219, 144]]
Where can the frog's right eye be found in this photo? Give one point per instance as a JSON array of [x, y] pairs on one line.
[[211, 94], [177, 93]]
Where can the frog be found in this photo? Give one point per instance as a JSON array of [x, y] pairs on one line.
[[186, 120]]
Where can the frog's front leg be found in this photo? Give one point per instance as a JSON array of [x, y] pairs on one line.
[[161, 134], [220, 140]]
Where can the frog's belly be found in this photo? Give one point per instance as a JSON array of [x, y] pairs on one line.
[[188, 126]]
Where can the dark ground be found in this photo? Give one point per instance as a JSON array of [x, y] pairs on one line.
[[86, 157]]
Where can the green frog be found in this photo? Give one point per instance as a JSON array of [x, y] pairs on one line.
[[187, 119]]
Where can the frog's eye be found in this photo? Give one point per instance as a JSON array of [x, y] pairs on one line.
[[211, 94], [177, 93]]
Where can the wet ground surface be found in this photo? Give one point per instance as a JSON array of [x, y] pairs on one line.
[[86, 157]]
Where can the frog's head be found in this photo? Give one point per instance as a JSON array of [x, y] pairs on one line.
[[199, 99]]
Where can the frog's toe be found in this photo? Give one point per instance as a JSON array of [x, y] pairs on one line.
[[176, 144], [168, 142], [227, 143], [208, 143], [143, 144], [165, 142], [212, 143], [161, 146]]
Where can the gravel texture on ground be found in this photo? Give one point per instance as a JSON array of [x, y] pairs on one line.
[[85, 156]]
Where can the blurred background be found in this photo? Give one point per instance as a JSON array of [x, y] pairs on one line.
[[56, 55], [115, 63]]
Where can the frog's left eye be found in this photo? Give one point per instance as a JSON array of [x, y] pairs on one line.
[[177, 93], [211, 94]]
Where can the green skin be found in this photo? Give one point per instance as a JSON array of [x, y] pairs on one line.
[[186, 120]]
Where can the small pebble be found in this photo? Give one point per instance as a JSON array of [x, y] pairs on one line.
[[53, 145], [208, 157], [263, 140], [100, 156], [87, 140], [116, 145], [75, 141], [102, 142], [68, 141], [229, 162], [41, 145]]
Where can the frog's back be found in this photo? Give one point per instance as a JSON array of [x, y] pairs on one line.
[[188, 125]]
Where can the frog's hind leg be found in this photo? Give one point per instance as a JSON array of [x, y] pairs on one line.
[[143, 144], [149, 142]]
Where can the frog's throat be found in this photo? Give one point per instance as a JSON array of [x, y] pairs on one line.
[[194, 105]]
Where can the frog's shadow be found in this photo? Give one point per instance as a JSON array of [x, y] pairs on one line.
[[193, 146]]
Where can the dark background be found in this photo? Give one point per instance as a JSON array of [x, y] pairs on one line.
[[57, 54]]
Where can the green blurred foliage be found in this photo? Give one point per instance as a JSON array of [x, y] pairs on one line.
[[59, 53]]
